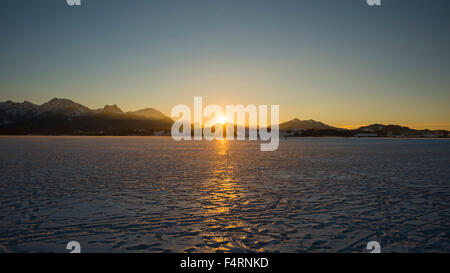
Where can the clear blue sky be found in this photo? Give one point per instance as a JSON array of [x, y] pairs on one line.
[[341, 62]]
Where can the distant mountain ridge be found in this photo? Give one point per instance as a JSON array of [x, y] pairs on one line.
[[297, 127], [297, 124], [113, 109], [397, 130], [391, 128], [11, 112], [151, 114], [64, 116]]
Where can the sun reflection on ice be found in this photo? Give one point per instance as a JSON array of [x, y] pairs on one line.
[[221, 200], [222, 146]]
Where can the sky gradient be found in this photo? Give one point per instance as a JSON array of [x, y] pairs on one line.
[[340, 62]]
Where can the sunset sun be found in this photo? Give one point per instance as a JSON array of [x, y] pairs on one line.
[[222, 120]]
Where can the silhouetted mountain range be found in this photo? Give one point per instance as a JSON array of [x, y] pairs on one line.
[[396, 130], [297, 124], [63, 116], [386, 128], [297, 127]]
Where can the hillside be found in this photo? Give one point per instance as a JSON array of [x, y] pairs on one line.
[[63, 116]]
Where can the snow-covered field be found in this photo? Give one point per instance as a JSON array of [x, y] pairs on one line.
[[130, 194]]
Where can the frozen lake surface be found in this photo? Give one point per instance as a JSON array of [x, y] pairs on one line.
[[150, 194]]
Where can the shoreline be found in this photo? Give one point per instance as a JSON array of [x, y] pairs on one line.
[[281, 138]]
